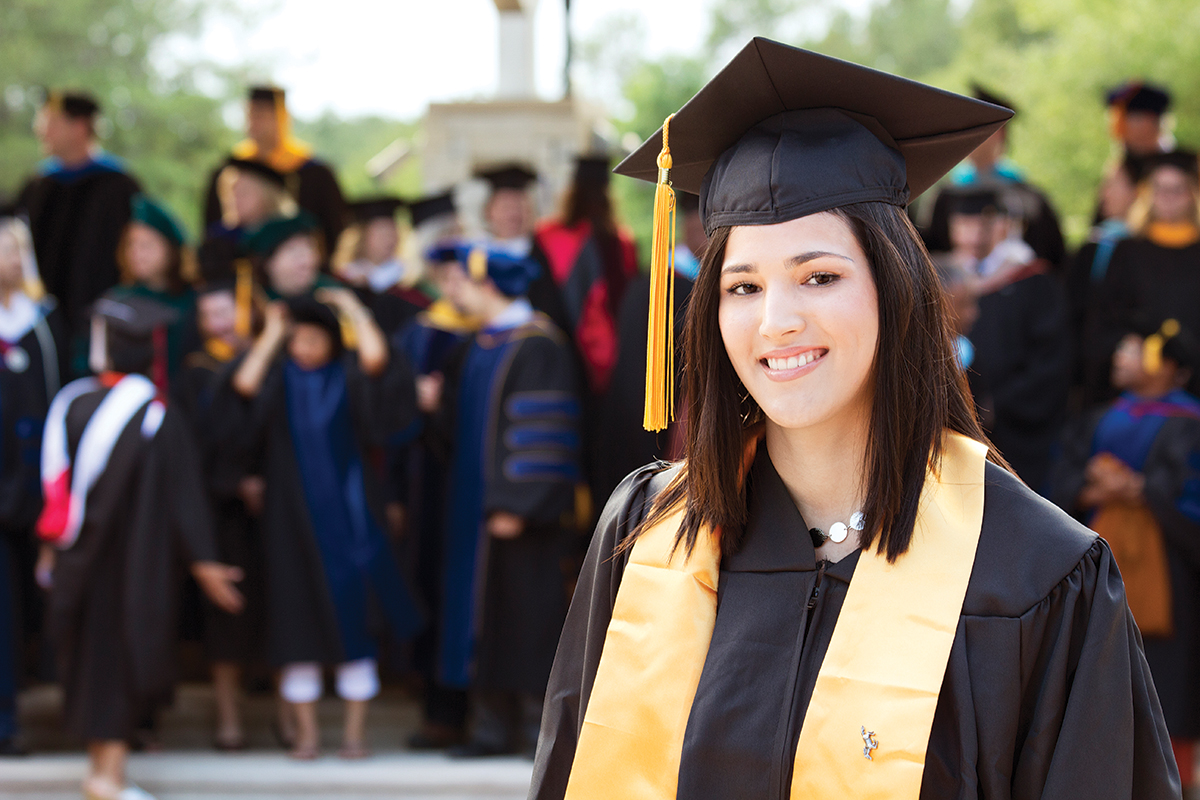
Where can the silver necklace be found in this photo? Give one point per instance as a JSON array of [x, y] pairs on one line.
[[838, 531]]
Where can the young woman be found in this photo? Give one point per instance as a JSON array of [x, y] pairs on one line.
[[841, 592]]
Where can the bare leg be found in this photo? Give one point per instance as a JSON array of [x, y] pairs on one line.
[[354, 737], [308, 737], [227, 678], [106, 768]]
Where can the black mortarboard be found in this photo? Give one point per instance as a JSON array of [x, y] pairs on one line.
[[259, 169], [130, 323], [1138, 96], [593, 170], [507, 176], [217, 285], [781, 133], [975, 202], [1184, 160], [979, 92], [75, 104], [267, 238], [371, 208], [264, 94], [430, 206]]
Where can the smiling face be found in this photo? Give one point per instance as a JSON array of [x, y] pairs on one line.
[[799, 317], [293, 268]]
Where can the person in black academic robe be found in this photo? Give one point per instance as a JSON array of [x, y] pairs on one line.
[[1131, 471], [1020, 373], [314, 413], [77, 206], [125, 506], [1156, 271], [511, 410], [231, 640], [30, 366], [269, 140]]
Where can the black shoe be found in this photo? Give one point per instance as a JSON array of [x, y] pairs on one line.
[[12, 747], [477, 750]]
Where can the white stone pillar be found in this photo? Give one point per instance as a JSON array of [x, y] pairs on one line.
[[516, 49]]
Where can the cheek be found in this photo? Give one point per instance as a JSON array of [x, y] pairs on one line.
[[737, 318]]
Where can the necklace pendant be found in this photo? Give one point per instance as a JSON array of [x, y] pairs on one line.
[[838, 532]]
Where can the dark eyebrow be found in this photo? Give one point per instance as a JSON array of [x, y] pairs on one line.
[[794, 261]]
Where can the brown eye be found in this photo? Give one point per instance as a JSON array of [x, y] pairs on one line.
[[821, 279], [742, 288]]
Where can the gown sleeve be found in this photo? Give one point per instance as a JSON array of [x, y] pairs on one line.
[[1068, 475], [583, 635], [1172, 488], [191, 514], [1092, 723], [385, 404]]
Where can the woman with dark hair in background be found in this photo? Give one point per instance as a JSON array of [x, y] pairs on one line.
[[843, 591]]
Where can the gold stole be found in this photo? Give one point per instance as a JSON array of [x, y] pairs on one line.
[[878, 684]]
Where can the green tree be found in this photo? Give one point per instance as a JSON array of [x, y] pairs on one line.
[[156, 117]]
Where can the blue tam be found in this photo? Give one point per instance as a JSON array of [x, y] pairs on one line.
[[511, 274]]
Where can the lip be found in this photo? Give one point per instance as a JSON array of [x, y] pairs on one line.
[[791, 373]]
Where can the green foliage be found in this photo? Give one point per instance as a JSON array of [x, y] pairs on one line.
[[350, 143], [155, 116]]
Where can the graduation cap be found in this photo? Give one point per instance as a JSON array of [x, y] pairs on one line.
[[508, 176], [512, 274], [129, 334], [215, 286], [75, 104], [1181, 159], [781, 133], [976, 202], [1138, 96], [156, 216], [979, 92], [433, 205], [375, 208], [268, 237], [259, 169], [592, 170], [264, 93]]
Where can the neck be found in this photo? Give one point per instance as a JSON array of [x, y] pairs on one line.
[[72, 157], [823, 468], [6, 295], [495, 307]]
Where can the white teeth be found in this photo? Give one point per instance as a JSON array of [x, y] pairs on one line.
[[793, 362]]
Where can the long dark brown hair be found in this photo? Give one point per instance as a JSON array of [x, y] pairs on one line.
[[920, 392]]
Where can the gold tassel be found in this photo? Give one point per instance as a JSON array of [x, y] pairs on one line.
[[1153, 346], [660, 339], [244, 298]]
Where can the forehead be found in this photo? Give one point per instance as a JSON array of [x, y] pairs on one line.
[[823, 232]]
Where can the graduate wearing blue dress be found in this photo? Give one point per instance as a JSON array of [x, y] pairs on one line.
[[511, 406]]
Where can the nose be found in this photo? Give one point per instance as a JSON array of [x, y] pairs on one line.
[[782, 314]]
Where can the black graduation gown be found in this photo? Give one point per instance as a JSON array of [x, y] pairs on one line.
[[627, 445], [530, 466], [1172, 464], [317, 192], [301, 616], [77, 221], [1046, 692], [112, 611], [228, 637], [1147, 279], [1022, 370]]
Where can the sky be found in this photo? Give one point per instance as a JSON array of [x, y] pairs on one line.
[[436, 50]]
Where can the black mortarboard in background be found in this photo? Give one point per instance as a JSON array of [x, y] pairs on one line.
[[263, 93], [130, 325], [369, 208], [430, 206], [73, 103], [781, 133], [259, 169], [1181, 159], [593, 170], [217, 285], [1139, 96], [979, 92], [976, 202], [507, 176]]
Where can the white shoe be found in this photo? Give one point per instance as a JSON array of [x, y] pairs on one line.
[[132, 792]]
